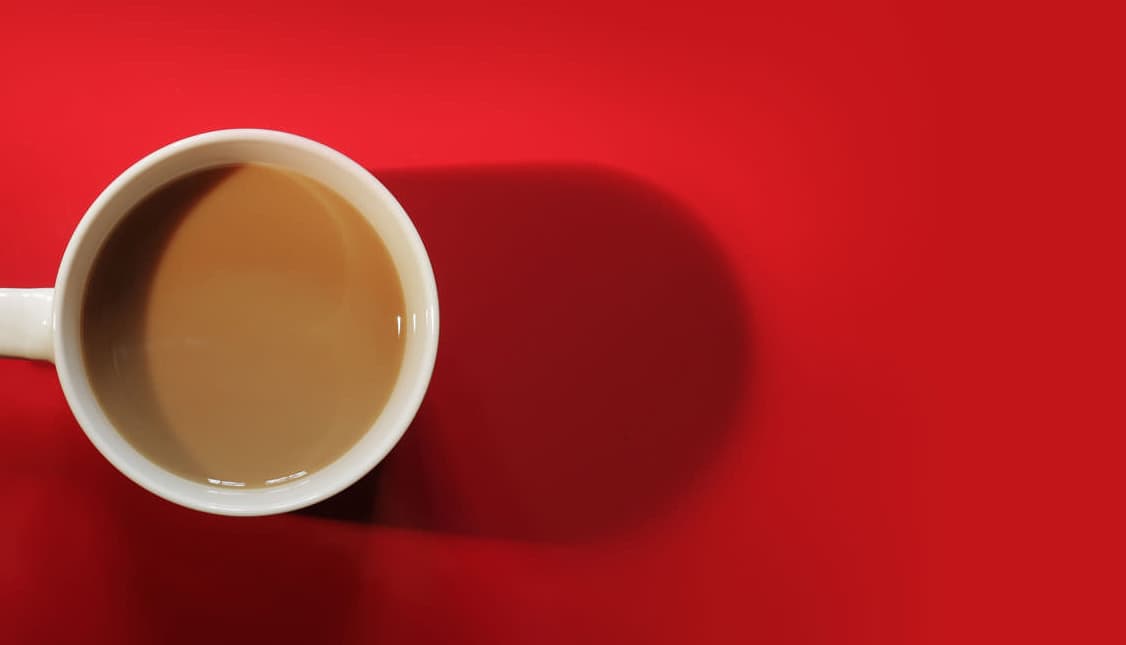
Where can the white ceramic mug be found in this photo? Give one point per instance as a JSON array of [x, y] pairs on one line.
[[44, 324]]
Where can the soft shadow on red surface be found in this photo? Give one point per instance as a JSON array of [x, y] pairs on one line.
[[592, 352], [199, 578]]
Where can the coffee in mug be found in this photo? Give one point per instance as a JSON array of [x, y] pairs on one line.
[[244, 322], [242, 326]]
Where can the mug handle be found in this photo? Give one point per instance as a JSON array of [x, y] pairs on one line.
[[27, 324]]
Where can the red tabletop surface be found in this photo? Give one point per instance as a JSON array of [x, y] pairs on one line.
[[740, 343]]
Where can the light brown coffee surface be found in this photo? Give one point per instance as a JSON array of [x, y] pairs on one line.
[[241, 326]]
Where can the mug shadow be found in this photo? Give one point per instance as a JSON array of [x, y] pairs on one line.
[[593, 352], [196, 578]]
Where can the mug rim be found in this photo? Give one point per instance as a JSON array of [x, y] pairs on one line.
[[245, 501]]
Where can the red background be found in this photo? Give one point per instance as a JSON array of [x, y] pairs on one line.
[[789, 323]]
